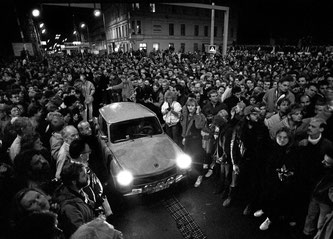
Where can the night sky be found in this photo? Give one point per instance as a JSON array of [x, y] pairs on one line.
[[259, 20]]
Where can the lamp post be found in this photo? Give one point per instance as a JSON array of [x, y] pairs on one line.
[[36, 13], [82, 26], [98, 13]]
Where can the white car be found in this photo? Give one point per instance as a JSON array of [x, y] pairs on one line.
[[140, 157]]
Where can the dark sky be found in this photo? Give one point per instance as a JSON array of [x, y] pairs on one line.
[[285, 20]]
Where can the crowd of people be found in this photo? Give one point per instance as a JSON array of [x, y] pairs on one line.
[[259, 123]]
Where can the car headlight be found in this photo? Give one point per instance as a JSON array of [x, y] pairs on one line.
[[183, 161], [124, 178]]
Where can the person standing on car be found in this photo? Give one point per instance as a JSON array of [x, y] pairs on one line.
[[192, 122]]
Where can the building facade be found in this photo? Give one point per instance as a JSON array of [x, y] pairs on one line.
[[162, 26]]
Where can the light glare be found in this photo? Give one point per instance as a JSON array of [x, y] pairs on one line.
[[184, 161], [97, 13], [35, 13], [124, 178]]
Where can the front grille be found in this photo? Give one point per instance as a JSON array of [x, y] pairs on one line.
[[154, 178]]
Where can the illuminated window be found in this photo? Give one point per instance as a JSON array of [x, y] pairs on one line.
[[143, 46], [156, 46], [138, 27], [152, 7], [135, 6]]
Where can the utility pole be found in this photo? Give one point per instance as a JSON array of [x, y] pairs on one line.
[[212, 22]]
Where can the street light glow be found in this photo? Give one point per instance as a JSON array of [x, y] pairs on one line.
[[35, 13], [41, 25], [83, 25], [97, 13], [43, 31]]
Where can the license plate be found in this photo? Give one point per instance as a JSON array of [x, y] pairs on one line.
[[160, 187]]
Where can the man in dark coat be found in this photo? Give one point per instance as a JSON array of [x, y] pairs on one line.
[[75, 206], [249, 146]]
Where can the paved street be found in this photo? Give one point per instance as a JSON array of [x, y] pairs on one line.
[[148, 217]]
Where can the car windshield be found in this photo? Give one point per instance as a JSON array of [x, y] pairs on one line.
[[135, 128]]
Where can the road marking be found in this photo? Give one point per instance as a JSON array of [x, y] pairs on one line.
[[185, 222]]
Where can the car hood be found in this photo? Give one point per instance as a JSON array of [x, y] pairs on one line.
[[147, 155]]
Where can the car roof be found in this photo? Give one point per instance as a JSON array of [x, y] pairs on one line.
[[122, 111]]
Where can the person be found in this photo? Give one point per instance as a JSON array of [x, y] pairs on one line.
[[34, 113], [32, 141], [79, 151], [33, 170], [41, 224], [210, 110], [234, 98], [88, 90], [249, 147], [228, 180], [27, 201], [69, 133], [126, 87], [294, 121], [283, 109], [320, 203], [311, 154], [88, 134], [171, 110], [275, 94], [22, 126], [157, 95], [97, 229], [326, 231], [57, 124], [75, 208], [280, 181], [192, 122]]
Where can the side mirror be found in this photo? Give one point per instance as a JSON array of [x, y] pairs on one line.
[[104, 137]]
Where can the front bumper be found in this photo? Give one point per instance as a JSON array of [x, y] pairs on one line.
[[156, 186]]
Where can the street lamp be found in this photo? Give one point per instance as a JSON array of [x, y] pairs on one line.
[[41, 25], [82, 26], [36, 13], [97, 13]]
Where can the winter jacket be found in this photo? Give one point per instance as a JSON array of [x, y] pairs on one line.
[[323, 188], [126, 87], [271, 97], [75, 209], [192, 125], [311, 167], [209, 110], [250, 144]]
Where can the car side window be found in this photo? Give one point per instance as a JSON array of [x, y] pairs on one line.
[[104, 127]]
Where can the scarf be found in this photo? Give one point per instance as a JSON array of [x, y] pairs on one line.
[[314, 141]]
